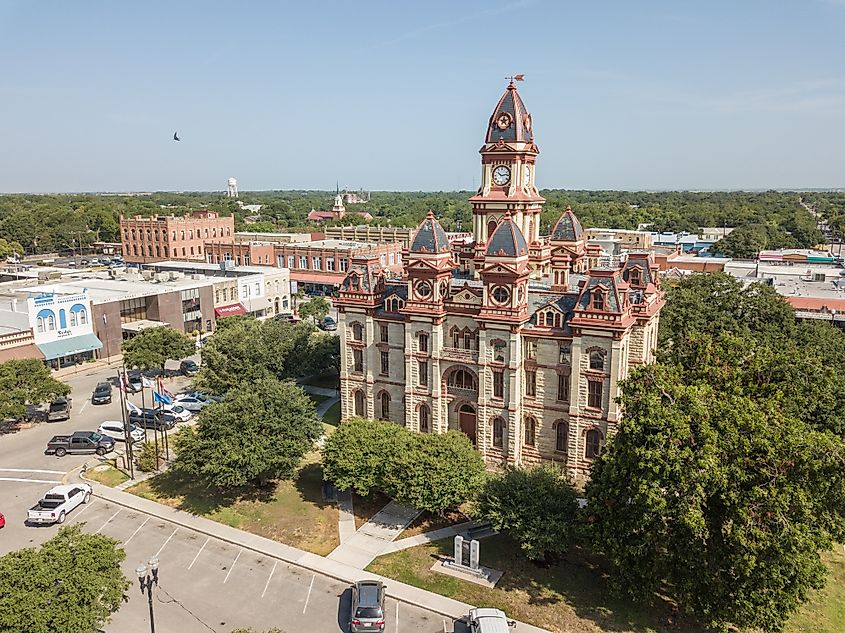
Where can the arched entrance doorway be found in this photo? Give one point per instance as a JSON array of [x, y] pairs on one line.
[[466, 421]]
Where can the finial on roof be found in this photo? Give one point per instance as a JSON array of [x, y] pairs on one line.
[[568, 208], [507, 215], [430, 214]]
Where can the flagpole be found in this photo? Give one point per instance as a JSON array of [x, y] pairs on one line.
[[160, 404], [143, 407], [127, 436]]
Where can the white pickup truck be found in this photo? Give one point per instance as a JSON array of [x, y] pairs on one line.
[[58, 502]]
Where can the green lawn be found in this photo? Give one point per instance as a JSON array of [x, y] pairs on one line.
[[572, 597], [332, 416], [110, 477], [330, 381], [293, 512], [316, 398], [825, 612]]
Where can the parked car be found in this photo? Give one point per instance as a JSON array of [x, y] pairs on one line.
[[178, 411], [2, 520], [80, 442], [488, 621], [188, 368], [102, 393], [199, 395], [135, 383], [94, 261], [152, 419], [114, 429], [367, 606], [191, 403], [55, 505], [329, 324], [59, 410]]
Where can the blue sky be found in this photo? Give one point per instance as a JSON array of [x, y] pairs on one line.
[[678, 94]]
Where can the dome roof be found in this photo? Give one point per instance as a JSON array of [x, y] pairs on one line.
[[510, 121], [507, 240], [568, 228], [430, 237]]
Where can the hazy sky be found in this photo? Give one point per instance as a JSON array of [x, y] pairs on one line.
[[396, 95]]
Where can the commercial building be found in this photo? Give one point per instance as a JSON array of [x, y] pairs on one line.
[[163, 237], [513, 338]]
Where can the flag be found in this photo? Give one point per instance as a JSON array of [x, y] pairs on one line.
[[164, 391], [147, 383], [132, 408], [123, 382], [161, 398]]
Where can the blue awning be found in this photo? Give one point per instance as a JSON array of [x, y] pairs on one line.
[[68, 346]]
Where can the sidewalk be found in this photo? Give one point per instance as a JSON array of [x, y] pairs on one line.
[[319, 391], [334, 569], [372, 538], [86, 369], [325, 405]]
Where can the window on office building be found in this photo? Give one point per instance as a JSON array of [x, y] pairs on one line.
[[330, 264], [383, 335], [291, 260], [594, 394], [344, 264], [385, 363], [303, 262], [498, 384], [422, 365], [531, 383]]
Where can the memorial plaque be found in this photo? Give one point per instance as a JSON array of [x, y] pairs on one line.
[[474, 552]]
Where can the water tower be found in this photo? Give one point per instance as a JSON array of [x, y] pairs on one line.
[[232, 190]]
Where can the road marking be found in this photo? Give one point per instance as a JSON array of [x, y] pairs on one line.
[[310, 587], [166, 542], [32, 481], [397, 618], [232, 566], [126, 542], [107, 522], [84, 404], [272, 571], [199, 552], [78, 514], [32, 470]]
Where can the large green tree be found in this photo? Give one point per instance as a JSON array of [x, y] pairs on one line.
[[537, 507], [247, 350], [717, 499], [256, 434], [71, 584], [153, 347], [26, 382], [315, 309]]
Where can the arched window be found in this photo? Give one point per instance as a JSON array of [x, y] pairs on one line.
[[463, 379], [357, 332], [593, 445], [530, 431], [597, 360], [385, 405], [182, 235], [51, 322], [561, 435], [598, 300], [40, 324], [214, 232], [359, 403], [491, 227], [635, 276], [498, 432], [425, 416], [134, 235], [73, 320]]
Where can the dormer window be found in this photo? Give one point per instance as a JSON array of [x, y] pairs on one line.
[[598, 299], [635, 277], [393, 304], [550, 318], [354, 281]]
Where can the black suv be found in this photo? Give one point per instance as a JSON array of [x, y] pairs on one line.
[[152, 419], [102, 394], [188, 368]]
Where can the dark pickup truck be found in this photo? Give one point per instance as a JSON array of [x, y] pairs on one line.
[[80, 442], [59, 410]]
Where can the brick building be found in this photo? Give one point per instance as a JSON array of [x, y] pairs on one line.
[[162, 237], [525, 353]]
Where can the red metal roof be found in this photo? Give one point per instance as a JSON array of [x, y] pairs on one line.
[[231, 310]]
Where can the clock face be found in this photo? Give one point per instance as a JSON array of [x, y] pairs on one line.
[[526, 175], [501, 175], [423, 289]]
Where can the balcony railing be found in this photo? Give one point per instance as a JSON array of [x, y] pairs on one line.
[[463, 392], [459, 354]]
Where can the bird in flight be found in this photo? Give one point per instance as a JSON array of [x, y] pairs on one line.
[[176, 136]]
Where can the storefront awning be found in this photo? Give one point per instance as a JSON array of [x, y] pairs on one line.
[[69, 346], [235, 308]]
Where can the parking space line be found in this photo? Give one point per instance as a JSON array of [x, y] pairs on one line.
[[166, 542], [310, 587], [107, 522], [240, 551], [396, 628], [272, 571], [126, 542], [88, 505], [32, 470], [30, 481], [84, 404], [199, 552]]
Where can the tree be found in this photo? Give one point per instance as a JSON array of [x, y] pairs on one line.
[[356, 454], [323, 354], [10, 249], [716, 499], [255, 435], [316, 309], [25, 382], [72, 584], [153, 347], [434, 471], [537, 507]]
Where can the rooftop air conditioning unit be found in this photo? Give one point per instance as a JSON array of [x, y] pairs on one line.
[[227, 264], [819, 277], [165, 276], [147, 274]]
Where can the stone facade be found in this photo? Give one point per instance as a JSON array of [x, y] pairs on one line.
[[524, 355]]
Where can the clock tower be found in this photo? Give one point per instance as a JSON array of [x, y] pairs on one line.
[[508, 159]]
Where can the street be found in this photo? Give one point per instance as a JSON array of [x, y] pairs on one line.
[[206, 584]]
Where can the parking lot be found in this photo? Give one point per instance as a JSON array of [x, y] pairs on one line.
[[209, 585]]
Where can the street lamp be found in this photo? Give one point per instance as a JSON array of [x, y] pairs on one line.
[[148, 581]]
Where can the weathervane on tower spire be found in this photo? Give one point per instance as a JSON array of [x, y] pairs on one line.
[[516, 78]]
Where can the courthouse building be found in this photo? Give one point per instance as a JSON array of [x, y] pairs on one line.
[[525, 350]]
